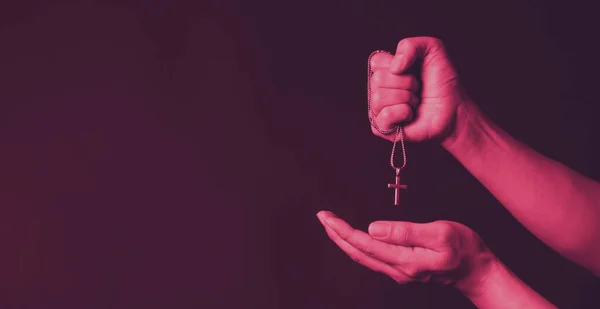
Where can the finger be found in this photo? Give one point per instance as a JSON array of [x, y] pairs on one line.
[[437, 239], [411, 49], [426, 235], [385, 252], [380, 61], [392, 115], [357, 255], [416, 263], [382, 97], [385, 79], [367, 261]]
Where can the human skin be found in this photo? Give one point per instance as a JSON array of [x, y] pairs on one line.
[[558, 205], [442, 252]]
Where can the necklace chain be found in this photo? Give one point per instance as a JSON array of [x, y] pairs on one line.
[[399, 132]]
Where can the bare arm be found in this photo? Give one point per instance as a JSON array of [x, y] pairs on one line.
[[442, 251], [560, 206], [503, 290]]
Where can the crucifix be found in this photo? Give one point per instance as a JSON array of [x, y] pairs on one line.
[[397, 186]]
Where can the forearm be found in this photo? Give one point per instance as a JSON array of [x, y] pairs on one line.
[[558, 205], [503, 290]]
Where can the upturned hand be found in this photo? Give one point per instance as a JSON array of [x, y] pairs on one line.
[[444, 252]]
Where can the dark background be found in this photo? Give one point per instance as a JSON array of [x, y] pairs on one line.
[[173, 154]]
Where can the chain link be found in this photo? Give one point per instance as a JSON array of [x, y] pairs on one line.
[[399, 132]]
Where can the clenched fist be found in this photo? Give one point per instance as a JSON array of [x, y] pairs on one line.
[[430, 115]]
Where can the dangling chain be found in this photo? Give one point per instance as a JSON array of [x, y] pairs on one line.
[[397, 128]]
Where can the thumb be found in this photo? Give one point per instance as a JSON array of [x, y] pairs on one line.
[[406, 233], [411, 49], [438, 75]]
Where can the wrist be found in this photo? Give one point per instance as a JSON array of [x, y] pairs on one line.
[[495, 274], [484, 267], [474, 135], [466, 127]]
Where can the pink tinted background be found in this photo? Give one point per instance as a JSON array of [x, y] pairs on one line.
[[173, 154]]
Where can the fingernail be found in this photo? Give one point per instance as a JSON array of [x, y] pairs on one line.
[[379, 229]]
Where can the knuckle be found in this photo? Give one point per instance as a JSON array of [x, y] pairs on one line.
[[407, 234], [437, 42], [376, 78], [448, 261], [414, 100], [385, 114], [403, 42], [376, 97], [444, 260], [377, 59], [437, 45], [407, 44], [412, 271], [405, 96], [348, 235], [403, 113], [445, 231], [401, 232], [414, 83]]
